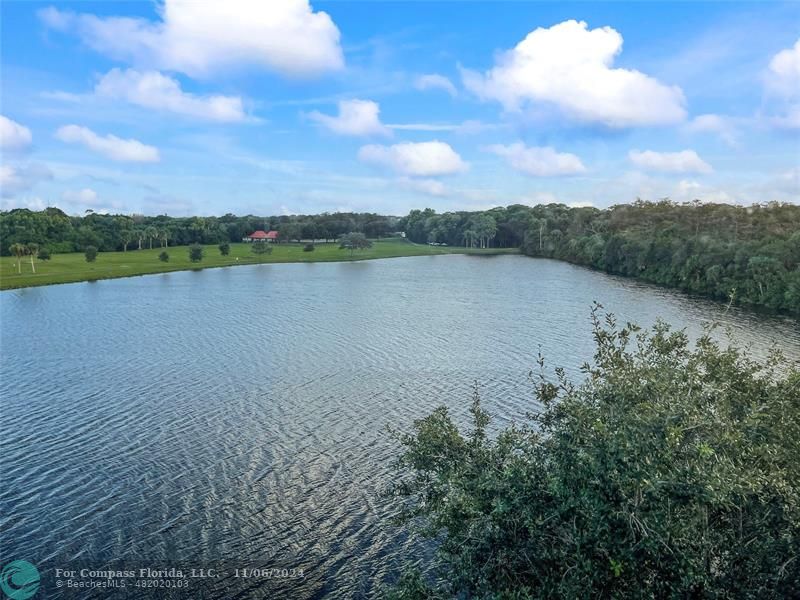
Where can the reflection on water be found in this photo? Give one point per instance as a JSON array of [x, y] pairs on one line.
[[238, 414]]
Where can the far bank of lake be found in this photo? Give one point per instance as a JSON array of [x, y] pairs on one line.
[[73, 267]]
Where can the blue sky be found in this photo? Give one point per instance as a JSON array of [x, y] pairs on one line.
[[187, 107]]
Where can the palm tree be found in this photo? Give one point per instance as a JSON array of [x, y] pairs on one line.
[[140, 237], [469, 238], [33, 251], [127, 238], [19, 251], [151, 232], [164, 235]]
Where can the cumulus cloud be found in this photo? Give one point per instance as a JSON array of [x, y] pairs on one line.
[[432, 187], [422, 159], [13, 136], [782, 81], [17, 179], [685, 161], [570, 67], [538, 161], [151, 89], [110, 146], [86, 196], [783, 73], [722, 127], [78, 201], [198, 38], [356, 117], [434, 81]]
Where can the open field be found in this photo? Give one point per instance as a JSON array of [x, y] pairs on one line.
[[69, 268]]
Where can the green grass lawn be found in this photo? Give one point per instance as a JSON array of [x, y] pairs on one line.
[[67, 268]]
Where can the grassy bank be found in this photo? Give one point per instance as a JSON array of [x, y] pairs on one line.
[[69, 268]]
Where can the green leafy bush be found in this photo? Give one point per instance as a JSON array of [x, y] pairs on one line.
[[671, 471], [90, 252], [224, 248], [164, 256], [195, 253], [261, 248], [308, 248], [44, 254]]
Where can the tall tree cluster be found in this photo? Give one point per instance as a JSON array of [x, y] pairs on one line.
[[58, 232], [718, 250]]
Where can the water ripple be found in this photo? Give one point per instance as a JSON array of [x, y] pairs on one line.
[[238, 415]]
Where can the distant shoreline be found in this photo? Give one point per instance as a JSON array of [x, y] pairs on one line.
[[73, 268]]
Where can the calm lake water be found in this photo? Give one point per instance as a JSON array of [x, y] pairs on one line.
[[235, 417]]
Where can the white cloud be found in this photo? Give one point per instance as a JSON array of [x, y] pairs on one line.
[[198, 38], [356, 117], [782, 81], [432, 187], [783, 73], [86, 196], [14, 180], [434, 81], [538, 161], [469, 127], [78, 201], [110, 146], [721, 126], [423, 159], [570, 67], [151, 89], [13, 136], [790, 119], [686, 161]]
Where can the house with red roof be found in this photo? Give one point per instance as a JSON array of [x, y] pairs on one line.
[[261, 236]]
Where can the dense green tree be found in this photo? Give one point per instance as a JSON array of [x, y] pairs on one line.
[[354, 241], [225, 248], [195, 253], [261, 247], [290, 231], [90, 252], [164, 256], [669, 471]]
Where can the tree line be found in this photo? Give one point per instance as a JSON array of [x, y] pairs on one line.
[[751, 254], [60, 233], [718, 250]]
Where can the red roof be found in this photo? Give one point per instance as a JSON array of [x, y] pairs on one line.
[[263, 235]]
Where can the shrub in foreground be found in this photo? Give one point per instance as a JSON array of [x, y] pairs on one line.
[[164, 256], [308, 248], [90, 252], [671, 471], [224, 248]]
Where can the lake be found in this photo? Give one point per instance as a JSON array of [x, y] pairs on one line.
[[235, 418]]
